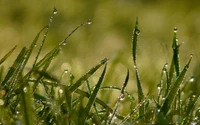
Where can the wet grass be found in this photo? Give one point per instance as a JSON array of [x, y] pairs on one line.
[[38, 97]]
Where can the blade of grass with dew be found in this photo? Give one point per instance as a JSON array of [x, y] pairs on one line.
[[47, 63], [174, 89], [134, 54], [133, 111], [7, 55], [10, 86], [63, 42], [14, 67], [175, 47], [114, 88], [86, 76], [26, 105], [121, 97], [190, 106], [32, 46], [85, 94], [92, 97], [45, 36], [90, 92]]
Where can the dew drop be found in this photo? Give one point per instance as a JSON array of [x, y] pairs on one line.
[[51, 19], [159, 86], [166, 65], [191, 79], [175, 30], [60, 91], [137, 32], [89, 22], [17, 112], [122, 97], [55, 11], [25, 89], [1, 102], [66, 71], [64, 42], [72, 76]]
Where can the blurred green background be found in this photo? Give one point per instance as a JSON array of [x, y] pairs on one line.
[[109, 35]]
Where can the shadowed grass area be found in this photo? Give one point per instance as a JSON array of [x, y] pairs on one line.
[[38, 96]]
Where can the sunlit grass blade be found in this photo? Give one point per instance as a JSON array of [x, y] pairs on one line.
[[92, 97], [86, 76], [121, 97], [14, 67], [7, 55], [174, 89], [134, 54]]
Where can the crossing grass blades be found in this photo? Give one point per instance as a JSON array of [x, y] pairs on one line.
[[36, 97]]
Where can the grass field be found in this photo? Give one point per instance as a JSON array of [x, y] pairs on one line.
[[64, 73]]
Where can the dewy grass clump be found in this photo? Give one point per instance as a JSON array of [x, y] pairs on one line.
[[36, 97]]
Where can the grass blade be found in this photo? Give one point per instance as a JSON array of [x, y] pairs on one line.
[[168, 101], [7, 55], [86, 76], [93, 97], [191, 105], [26, 105], [134, 54], [175, 47], [121, 96], [14, 67]]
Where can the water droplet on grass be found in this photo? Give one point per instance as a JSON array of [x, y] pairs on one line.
[[55, 11], [25, 89], [137, 32], [72, 76], [159, 86], [191, 79], [175, 29], [66, 71], [60, 91], [51, 19], [1, 102], [89, 22], [122, 97], [64, 42]]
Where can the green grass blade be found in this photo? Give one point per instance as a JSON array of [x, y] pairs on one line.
[[191, 105], [26, 105], [121, 97], [7, 55], [14, 67], [174, 89], [86, 76], [103, 104], [32, 46], [93, 97], [134, 54], [175, 47]]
